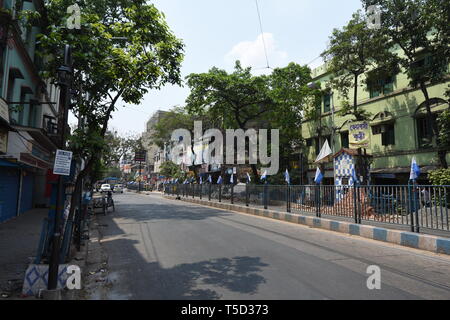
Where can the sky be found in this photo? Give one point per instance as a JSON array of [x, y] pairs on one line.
[[219, 32]]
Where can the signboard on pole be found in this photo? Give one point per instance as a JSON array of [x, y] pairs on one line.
[[359, 135], [140, 156], [63, 162]]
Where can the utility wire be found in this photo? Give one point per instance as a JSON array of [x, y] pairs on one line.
[[313, 60], [262, 33]]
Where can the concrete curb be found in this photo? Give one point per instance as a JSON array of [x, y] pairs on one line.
[[413, 240]]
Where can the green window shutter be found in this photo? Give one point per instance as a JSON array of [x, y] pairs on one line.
[[327, 103]]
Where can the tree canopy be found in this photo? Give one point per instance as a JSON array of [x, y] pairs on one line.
[[353, 51]]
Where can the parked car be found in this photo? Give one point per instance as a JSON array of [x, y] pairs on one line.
[[118, 188], [105, 188]]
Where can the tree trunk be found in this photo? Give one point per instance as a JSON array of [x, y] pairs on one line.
[[255, 172], [355, 98], [431, 121], [79, 187]]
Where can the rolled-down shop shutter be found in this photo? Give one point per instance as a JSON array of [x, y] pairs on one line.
[[9, 187], [26, 200]]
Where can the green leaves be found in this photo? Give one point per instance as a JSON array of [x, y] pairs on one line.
[[353, 51], [440, 177], [240, 100], [171, 170], [123, 50]]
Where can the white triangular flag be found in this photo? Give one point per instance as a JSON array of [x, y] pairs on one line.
[[324, 153]]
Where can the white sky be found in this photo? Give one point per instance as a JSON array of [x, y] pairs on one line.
[[218, 32]]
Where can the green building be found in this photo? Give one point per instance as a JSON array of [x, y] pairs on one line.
[[398, 130]]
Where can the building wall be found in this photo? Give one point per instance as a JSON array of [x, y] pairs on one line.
[[400, 105], [18, 57]]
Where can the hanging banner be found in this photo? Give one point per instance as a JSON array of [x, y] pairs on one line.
[[359, 135]]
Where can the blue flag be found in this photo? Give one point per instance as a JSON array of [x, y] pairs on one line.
[[415, 170], [319, 176], [201, 180], [219, 181], [354, 176], [287, 178], [210, 179], [232, 179], [264, 176], [249, 179]]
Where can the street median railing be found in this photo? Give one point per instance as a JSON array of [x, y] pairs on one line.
[[418, 207]]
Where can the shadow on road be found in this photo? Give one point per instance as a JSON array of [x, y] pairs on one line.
[[136, 272], [178, 211]]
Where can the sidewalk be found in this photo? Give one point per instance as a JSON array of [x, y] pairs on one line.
[[18, 243]]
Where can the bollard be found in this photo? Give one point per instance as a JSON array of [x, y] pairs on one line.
[[288, 198], [232, 194], [265, 195], [318, 201], [246, 195], [355, 207]]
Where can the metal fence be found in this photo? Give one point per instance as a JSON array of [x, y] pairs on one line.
[[412, 205]]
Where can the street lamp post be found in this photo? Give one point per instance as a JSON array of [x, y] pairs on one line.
[[64, 81]]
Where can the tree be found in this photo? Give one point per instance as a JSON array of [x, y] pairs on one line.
[[291, 96], [352, 52], [177, 118], [444, 130], [171, 170], [123, 50], [420, 29], [235, 99]]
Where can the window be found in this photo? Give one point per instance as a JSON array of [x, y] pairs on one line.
[[317, 145], [388, 135], [388, 85], [325, 139], [383, 86], [327, 103], [319, 106], [424, 133], [345, 143], [309, 142]]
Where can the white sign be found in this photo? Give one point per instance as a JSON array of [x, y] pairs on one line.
[[4, 110], [63, 161]]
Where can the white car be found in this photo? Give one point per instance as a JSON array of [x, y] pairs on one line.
[[118, 188], [105, 188]]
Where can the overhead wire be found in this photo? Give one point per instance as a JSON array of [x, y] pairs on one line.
[[262, 35]]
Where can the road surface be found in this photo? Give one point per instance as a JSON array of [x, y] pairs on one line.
[[165, 249]]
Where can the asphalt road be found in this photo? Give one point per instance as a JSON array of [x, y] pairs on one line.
[[166, 249]]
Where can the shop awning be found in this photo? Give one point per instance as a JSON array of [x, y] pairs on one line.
[[6, 163]]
